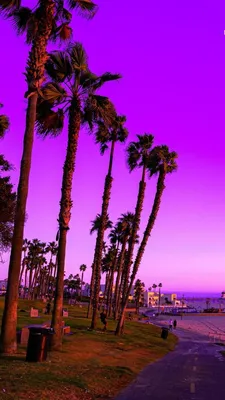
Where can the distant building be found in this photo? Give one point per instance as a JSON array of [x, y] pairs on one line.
[[166, 299]]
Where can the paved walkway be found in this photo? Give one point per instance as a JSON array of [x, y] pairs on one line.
[[194, 371]]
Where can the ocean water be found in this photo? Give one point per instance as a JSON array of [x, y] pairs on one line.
[[199, 295]]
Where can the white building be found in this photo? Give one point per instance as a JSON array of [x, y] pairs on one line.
[[166, 299]]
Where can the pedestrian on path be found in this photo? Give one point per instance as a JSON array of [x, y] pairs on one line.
[[175, 324], [103, 320], [170, 324]]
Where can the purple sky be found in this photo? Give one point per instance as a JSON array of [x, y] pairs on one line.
[[172, 58]]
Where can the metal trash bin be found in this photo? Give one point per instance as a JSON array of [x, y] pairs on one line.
[[38, 341], [165, 332]]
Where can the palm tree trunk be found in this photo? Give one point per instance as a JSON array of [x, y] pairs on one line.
[[25, 283], [99, 248], [21, 273], [141, 250], [100, 237], [106, 287], [136, 226], [91, 290], [64, 218], [118, 278], [111, 295], [109, 309], [30, 282], [35, 76], [81, 286]]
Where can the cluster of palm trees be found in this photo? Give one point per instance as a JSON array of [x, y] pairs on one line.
[[59, 85], [38, 270], [122, 257]]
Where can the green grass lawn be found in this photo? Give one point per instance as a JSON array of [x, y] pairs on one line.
[[92, 364]]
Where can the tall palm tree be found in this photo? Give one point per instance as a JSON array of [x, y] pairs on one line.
[[161, 162], [83, 268], [116, 132], [108, 266], [115, 241], [137, 157], [125, 226], [95, 227], [71, 90], [47, 20]]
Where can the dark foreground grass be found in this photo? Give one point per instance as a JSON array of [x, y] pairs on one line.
[[92, 364]]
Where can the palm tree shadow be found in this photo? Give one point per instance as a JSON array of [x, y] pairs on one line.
[[9, 358]]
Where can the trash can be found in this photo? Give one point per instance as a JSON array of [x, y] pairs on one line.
[[164, 333], [37, 347]]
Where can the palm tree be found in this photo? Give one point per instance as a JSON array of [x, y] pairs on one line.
[[83, 268], [52, 247], [137, 157], [125, 226], [139, 288], [159, 286], [95, 226], [108, 266], [116, 132], [47, 20], [4, 124], [72, 91], [161, 162]]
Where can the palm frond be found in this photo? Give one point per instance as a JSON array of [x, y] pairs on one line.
[[138, 152], [102, 136], [85, 8], [98, 108], [78, 57], [9, 6], [62, 13], [21, 17], [87, 79], [64, 32], [133, 156], [161, 157], [53, 92], [106, 77], [120, 131], [49, 122], [97, 222], [58, 66], [145, 141]]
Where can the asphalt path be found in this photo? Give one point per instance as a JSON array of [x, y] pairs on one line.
[[195, 370]]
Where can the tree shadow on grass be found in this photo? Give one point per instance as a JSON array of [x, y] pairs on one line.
[[13, 358]]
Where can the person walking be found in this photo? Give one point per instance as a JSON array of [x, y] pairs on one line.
[[103, 320], [175, 324], [48, 308], [170, 324]]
